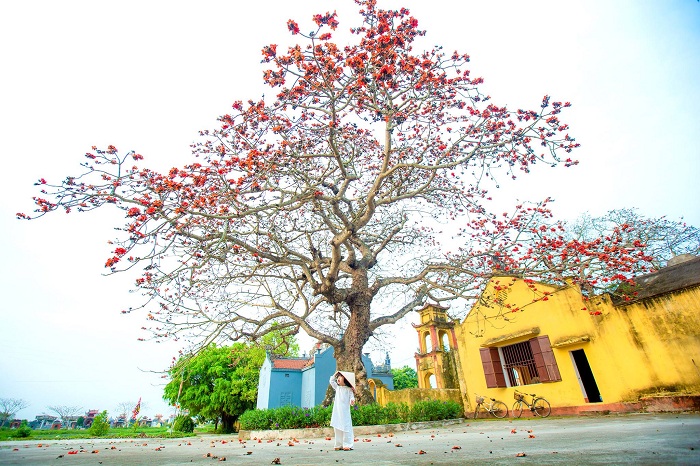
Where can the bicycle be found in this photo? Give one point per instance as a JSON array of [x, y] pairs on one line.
[[539, 406], [496, 408]]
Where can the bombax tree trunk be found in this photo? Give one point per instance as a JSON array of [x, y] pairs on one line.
[[348, 351]]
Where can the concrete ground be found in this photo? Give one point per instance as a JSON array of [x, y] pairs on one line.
[[638, 439]]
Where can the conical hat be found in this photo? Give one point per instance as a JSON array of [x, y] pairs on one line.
[[349, 376]]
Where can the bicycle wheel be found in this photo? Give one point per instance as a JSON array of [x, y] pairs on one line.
[[541, 407], [476, 411], [499, 409], [517, 408]]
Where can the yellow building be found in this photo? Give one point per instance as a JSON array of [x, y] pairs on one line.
[[586, 355]]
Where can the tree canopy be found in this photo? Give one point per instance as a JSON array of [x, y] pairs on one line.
[[404, 377], [353, 196], [220, 383]]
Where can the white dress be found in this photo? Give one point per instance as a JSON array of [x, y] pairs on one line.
[[340, 418]]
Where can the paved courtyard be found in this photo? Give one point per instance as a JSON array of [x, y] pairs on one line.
[[638, 439]]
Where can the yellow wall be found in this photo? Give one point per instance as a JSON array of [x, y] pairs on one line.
[[667, 329], [634, 350], [411, 395]]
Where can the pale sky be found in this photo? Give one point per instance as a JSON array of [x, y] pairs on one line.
[[147, 75]]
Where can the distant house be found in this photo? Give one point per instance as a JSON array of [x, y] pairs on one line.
[[44, 421], [89, 417], [41, 420], [157, 421], [144, 421], [303, 381], [118, 422], [71, 422]]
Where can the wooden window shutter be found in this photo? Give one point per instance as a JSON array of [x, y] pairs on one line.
[[493, 370], [547, 369]]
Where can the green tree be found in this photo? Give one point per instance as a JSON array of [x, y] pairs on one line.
[[405, 377], [100, 425], [220, 383]]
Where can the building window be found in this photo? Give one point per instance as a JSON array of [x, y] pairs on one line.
[[519, 364], [523, 363]]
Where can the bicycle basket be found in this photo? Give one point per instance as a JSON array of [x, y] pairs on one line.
[[479, 400], [518, 396]]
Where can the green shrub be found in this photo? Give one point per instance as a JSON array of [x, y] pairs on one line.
[[183, 423], [293, 417], [305, 417], [433, 410], [24, 430], [285, 417], [421, 411], [396, 413], [100, 425], [322, 416], [452, 410], [255, 419], [368, 415]]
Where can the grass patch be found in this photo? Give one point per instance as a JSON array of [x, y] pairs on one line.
[[64, 434], [206, 429]]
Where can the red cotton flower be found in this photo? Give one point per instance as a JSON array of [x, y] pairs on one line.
[[328, 19], [111, 261], [269, 51], [293, 27]]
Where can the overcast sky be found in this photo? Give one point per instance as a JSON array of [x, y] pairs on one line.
[[147, 75]]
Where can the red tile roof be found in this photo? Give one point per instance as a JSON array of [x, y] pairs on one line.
[[297, 364]]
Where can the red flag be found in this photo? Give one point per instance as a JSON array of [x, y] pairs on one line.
[[136, 410]]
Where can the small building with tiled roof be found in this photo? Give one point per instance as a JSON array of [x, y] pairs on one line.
[[303, 381]]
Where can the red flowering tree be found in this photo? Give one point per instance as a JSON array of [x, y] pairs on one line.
[[661, 239], [323, 208]]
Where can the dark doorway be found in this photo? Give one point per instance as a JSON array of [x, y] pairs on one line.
[[590, 388]]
